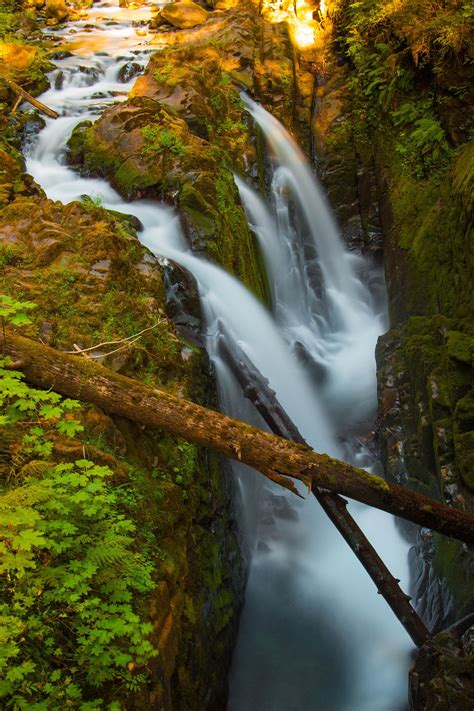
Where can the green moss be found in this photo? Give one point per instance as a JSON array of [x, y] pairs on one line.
[[159, 140], [375, 482], [431, 224], [223, 609], [9, 254], [460, 346], [454, 563], [130, 178], [464, 445]]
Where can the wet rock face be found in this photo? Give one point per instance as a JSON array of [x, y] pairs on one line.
[[183, 303], [443, 675], [425, 366], [92, 282], [423, 383], [424, 226], [128, 71]]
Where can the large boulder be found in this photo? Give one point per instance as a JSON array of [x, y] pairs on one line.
[[16, 57], [184, 15], [443, 675], [56, 10]]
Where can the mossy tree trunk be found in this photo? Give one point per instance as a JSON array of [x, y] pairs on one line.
[[273, 456]]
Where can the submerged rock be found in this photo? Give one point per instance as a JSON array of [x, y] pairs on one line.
[[128, 71]]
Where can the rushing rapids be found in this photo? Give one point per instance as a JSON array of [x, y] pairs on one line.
[[314, 634]]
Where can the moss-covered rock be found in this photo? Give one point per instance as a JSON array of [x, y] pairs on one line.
[[392, 141], [442, 677], [184, 15], [184, 130], [94, 283]]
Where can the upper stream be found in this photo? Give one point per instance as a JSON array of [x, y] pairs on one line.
[[314, 634]]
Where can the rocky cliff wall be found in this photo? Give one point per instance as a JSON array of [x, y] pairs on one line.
[[391, 124]]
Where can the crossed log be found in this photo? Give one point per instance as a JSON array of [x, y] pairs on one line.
[[256, 389], [273, 456]]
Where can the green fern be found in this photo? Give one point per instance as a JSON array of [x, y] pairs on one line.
[[70, 574], [69, 563]]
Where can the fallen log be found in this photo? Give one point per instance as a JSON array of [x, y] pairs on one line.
[[256, 388], [85, 380], [24, 96]]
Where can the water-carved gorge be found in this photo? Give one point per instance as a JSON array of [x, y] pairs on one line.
[[166, 218]]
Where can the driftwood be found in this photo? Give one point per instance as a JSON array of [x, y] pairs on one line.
[[24, 96], [256, 388], [83, 379]]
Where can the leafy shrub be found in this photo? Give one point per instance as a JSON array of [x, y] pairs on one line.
[[158, 140], [15, 311], [423, 143], [8, 255], [66, 601], [70, 574], [387, 44]]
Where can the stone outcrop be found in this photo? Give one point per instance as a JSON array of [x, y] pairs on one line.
[[56, 10], [443, 675], [183, 15], [92, 281], [389, 198], [184, 130]]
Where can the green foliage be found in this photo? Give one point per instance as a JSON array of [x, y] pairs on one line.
[[424, 147], [8, 255], [8, 23], [39, 410], [15, 312], [184, 462], [159, 140], [92, 201], [70, 573], [162, 75], [20, 403], [230, 126], [225, 79], [384, 85], [216, 101]]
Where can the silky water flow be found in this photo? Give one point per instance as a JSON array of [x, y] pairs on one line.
[[314, 634]]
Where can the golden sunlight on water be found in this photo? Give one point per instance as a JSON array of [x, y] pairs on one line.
[[83, 44], [116, 34]]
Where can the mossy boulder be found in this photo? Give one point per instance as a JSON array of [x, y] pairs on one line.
[[25, 65], [443, 676], [56, 10], [184, 15], [184, 130]]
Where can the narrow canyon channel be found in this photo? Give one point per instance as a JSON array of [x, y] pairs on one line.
[[314, 634]]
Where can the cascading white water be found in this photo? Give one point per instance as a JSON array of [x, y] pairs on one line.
[[341, 285], [314, 634]]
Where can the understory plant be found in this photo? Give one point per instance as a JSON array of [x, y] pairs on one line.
[[71, 572], [394, 49]]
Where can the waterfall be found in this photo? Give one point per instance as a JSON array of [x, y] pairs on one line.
[[314, 634], [341, 284]]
